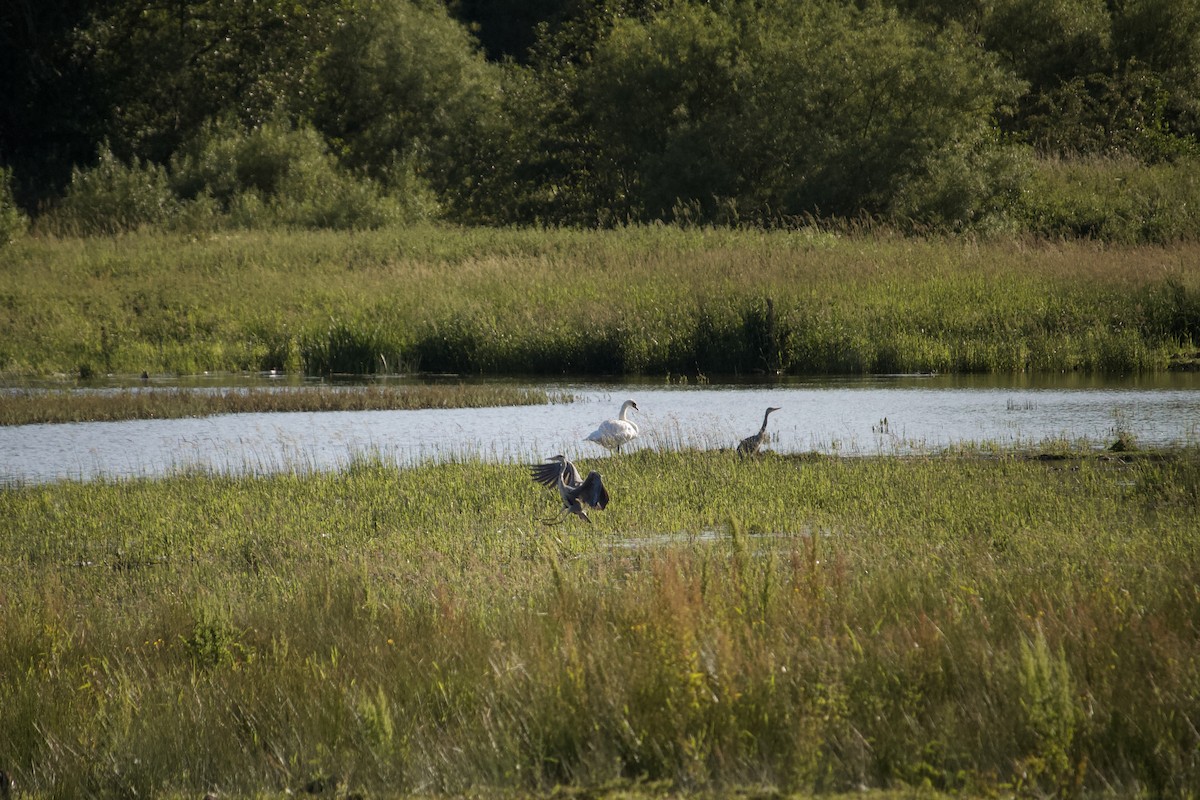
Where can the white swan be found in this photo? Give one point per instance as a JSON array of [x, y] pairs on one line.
[[613, 433]]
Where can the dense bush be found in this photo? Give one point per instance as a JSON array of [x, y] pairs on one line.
[[113, 196], [12, 220], [279, 174], [1113, 199], [228, 176]]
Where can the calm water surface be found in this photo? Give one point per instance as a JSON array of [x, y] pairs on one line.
[[861, 416]]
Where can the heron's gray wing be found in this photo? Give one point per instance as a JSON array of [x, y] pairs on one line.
[[571, 475], [546, 474], [592, 491]]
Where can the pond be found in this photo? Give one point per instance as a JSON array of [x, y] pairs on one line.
[[863, 416]]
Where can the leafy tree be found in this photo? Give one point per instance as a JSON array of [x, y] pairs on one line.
[[662, 99], [1161, 40], [851, 104], [1127, 111], [402, 81], [167, 66], [778, 109], [1047, 42], [1105, 77], [966, 13]]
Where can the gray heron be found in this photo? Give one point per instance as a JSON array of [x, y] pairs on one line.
[[749, 446], [613, 433], [575, 492]]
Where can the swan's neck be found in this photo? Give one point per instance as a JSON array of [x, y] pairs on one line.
[[625, 412]]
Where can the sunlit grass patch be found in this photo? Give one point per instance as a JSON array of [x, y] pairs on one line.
[[652, 300], [977, 622]]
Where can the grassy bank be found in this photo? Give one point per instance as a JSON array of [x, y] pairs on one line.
[[37, 406], [639, 300], [979, 622]]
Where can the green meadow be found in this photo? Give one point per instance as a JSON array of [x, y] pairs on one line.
[[651, 300], [982, 623], [372, 200]]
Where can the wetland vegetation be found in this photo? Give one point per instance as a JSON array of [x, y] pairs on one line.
[[635, 300], [31, 406], [977, 622], [901, 186]]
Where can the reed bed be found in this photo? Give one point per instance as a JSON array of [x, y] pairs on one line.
[[976, 623], [638, 300], [24, 407]]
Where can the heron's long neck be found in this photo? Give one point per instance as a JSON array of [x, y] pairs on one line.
[[763, 429]]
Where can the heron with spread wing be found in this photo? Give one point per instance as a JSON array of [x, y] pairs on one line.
[[576, 492]]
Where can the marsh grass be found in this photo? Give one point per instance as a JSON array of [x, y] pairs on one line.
[[23, 407], [652, 300], [977, 623]]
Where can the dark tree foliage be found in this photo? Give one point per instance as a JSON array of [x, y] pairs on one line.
[[145, 75], [1160, 40], [402, 85], [51, 115], [507, 29], [754, 112], [602, 111], [530, 31], [170, 65]]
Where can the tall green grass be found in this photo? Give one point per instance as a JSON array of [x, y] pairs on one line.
[[636, 300], [980, 623], [38, 406]]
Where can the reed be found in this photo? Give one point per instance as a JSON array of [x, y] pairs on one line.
[[24, 407], [977, 623], [650, 300]]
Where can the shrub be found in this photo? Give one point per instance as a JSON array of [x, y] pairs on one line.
[[276, 173], [1114, 199], [12, 220], [964, 187], [114, 197]]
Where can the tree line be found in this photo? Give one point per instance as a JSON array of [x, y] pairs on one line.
[[1060, 117]]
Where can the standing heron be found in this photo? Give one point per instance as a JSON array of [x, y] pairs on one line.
[[613, 433], [575, 492], [749, 446]]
